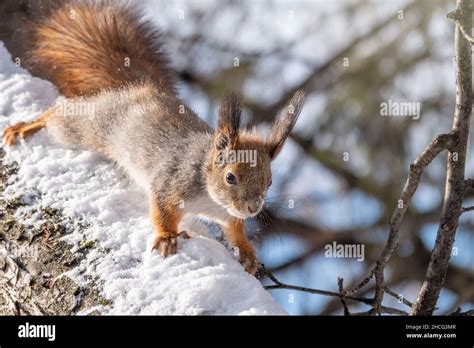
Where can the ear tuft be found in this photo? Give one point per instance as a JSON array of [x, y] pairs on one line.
[[228, 122], [284, 124]]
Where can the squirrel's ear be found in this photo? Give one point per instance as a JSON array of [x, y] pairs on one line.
[[284, 124], [228, 122]]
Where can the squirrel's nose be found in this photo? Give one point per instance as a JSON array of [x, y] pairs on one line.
[[253, 206]]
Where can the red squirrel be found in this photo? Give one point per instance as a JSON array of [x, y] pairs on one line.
[[106, 56]]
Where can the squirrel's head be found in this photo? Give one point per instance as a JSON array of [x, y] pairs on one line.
[[238, 172]]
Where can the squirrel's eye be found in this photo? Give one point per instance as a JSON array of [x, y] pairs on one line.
[[270, 183], [231, 179]]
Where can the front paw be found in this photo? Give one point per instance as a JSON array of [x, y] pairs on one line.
[[247, 258], [11, 133], [167, 245]]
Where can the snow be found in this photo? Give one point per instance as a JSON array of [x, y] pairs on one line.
[[203, 278]]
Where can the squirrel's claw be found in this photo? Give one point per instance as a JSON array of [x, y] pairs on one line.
[[248, 259], [168, 245], [250, 264], [11, 133]]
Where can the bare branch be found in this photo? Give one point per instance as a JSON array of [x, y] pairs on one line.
[[459, 312], [279, 285], [455, 186], [342, 295], [466, 209], [398, 297], [391, 310], [455, 142], [439, 144], [465, 34], [456, 16]]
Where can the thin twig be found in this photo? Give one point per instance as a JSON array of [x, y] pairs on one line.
[[344, 296], [465, 34], [340, 284], [456, 16], [279, 285], [365, 300], [398, 297], [391, 310], [466, 209], [459, 312]]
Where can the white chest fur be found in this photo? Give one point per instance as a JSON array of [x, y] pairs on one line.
[[205, 207]]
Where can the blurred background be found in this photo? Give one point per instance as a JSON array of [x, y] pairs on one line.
[[340, 175]]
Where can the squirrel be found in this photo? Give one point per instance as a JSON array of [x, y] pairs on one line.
[[106, 57]]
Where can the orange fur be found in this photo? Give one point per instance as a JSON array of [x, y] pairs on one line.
[[165, 220], [235, 233], [86, 46]]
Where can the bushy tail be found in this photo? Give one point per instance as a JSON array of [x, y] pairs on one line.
[[84, 47]]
